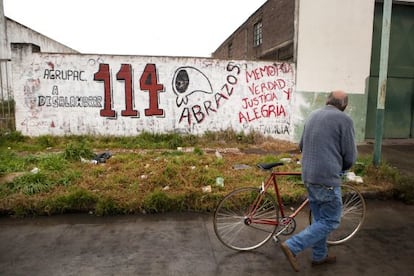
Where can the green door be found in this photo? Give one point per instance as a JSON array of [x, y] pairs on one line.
[[399, 103]]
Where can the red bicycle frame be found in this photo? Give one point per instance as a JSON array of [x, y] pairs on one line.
[[255, 205]]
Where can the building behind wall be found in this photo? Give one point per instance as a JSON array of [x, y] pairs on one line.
[[268, 34], [335, 44], [14, 35]]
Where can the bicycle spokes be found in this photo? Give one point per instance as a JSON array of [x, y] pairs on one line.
[[242, 228]]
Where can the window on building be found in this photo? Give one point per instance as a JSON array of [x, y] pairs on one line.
[[258, 34]]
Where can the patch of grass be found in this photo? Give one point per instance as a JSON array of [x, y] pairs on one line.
[[157, 202], [232, 137], [77, 150], [12, 137], [30, 184], [148, 173], [76, 200], [106, 206], [198, 151], [10, 162], [68, 177], [404, 189], [47, 141]]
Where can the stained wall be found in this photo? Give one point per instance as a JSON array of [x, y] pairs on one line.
[[65, 94]]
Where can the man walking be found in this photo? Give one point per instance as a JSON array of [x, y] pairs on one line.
[[328, 148]]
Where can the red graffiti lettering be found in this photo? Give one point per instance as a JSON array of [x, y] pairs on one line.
[[288, 92], [266, 111], [265, 71], [149, 82], [125, 73], [260, 99], [104, 75]]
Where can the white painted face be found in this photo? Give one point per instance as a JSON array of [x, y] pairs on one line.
[[189, 80]]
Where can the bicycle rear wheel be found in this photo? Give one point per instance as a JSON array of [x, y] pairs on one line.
[[246, 219], [352, 217]]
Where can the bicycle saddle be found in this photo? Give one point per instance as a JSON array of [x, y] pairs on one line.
[[269, 166]]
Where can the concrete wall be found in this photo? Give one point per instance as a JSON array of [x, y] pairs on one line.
[[334, 45], [334, 52], [62, 94]]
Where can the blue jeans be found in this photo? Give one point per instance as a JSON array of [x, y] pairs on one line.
[[326, 205]]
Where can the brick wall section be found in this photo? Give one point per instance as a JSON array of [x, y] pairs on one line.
[[278, 27]]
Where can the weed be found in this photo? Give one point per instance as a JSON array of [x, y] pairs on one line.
[[12, 136], [76, 150], [148, 174], [10, 162], [106, 206], [47, 141], [404, 189], [68, 177], [52, 162], [198, 151], [76, 200], [157, 202], [30, 184]]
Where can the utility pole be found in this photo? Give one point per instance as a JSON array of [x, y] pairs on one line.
[[382, 79]]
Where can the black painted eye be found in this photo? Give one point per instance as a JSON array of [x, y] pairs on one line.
[[182, 81]]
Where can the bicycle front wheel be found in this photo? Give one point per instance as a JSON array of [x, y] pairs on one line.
[[353, 215], [246, 219]]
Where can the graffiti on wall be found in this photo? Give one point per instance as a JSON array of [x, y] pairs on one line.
[[113, 96]]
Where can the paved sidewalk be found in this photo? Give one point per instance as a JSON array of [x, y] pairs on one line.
[[185, 244]]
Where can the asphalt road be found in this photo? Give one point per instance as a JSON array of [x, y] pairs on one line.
[[185, 244]]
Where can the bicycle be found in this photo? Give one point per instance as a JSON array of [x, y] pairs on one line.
[[248, 217]]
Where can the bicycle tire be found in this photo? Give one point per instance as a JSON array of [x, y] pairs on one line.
[[352, 216], [238, 231]]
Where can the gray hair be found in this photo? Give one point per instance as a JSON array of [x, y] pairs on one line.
[[339, 99]]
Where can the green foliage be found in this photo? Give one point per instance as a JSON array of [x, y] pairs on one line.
[[404, 189], [76, 150], [30, 184], [157, 202], [47, 141], [157, 140], [133, 180], [12, 136], [76, 200], [52, 162], [362, 165], [10, 162], [189, 140], [231, 136], [198, 151], [67, 177], [106, 206], [172, 153]]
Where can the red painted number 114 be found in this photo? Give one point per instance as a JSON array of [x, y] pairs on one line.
[[147, 82]]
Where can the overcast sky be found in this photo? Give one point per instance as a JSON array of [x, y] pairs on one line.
[[135, 27]]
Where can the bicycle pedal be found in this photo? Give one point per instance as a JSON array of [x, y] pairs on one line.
[[275, 239]]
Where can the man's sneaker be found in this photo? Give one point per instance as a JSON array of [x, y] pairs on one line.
[[289, 255], [328, 260]]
